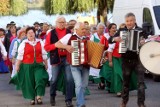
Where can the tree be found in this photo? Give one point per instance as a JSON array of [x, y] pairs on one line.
[[18, 7], [68, 6], [73, 6], [4, 7], [104, 6], [13, 7]]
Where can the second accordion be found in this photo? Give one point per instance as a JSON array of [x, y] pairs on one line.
[[85, 52], [130, 41]]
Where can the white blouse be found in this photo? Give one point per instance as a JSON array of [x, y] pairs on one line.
[[33, 43], [66, 38], [110, 46], [15, 47], [3, 50], [95, 35]]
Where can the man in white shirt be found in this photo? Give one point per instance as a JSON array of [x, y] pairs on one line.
[[80, 73]]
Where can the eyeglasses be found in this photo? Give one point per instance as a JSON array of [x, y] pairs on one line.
[[61, 22]]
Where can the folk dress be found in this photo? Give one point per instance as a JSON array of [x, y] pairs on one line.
[[32, 76]]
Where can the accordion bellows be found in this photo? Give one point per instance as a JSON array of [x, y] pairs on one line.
[[95, 52], [88, 53]]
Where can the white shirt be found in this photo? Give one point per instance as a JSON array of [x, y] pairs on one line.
[[95, 35], [33, 43], [3, 50], [110, 46], [2, 39], [15, 47], [66, 38]]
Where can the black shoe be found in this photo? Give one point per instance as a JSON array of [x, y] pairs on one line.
[[83, 106], [141, 105], [48, 84], [69, 104], [52, 101], [123, 104], [101, 86]]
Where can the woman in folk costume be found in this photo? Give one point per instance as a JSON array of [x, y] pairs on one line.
[[106, 70], [114, 59], [20, 35], [31, 65], [94, 73], [3, 56]]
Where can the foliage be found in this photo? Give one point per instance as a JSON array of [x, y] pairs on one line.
[[35, 4], [104, 6], [55, 6], [68, 6], [18, 7], [72, 6], [4, 7]]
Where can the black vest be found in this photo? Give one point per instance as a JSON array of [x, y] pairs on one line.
[[54, 56]]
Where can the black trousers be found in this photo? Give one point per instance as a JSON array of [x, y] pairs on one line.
[[129, 66]]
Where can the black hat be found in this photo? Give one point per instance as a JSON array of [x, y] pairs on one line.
[[12, 23], [41, 24], [36, 23]]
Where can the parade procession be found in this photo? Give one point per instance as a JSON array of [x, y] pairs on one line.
[[67, 60]]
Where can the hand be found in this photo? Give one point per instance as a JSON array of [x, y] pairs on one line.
[[69, 48], [104, 60], [142, 42], [13, 60], [46, 66], [110, 64], [17, 68], [117, 39], [4, 57], [10, 59]]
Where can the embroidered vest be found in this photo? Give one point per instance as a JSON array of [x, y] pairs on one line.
[[115, 51], [32, 53]]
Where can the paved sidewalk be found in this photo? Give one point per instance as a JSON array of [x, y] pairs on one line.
[[9, 97]]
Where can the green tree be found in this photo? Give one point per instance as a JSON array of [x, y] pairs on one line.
[[104, 6], [4, 7], [18, 7], [73, 6], [68, 6]]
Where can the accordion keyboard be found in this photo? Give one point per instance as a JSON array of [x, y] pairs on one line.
[[75, 54], [123, 44]]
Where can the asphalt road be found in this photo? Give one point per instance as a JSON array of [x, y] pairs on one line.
[[10, 97]]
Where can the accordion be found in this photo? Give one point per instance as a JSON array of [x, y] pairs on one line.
[[130, 41], [85, 52]]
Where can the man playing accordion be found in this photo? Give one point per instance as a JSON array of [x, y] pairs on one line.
[[131, 63], [80, 72]]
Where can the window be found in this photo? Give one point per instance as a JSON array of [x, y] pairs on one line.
[[148, 18], [157, 14]]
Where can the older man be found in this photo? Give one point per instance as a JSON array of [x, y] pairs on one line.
[[80, 72], [58, 62], [131, 63]]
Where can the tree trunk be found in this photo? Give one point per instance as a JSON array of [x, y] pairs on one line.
[[98, 16], [105, 16]]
